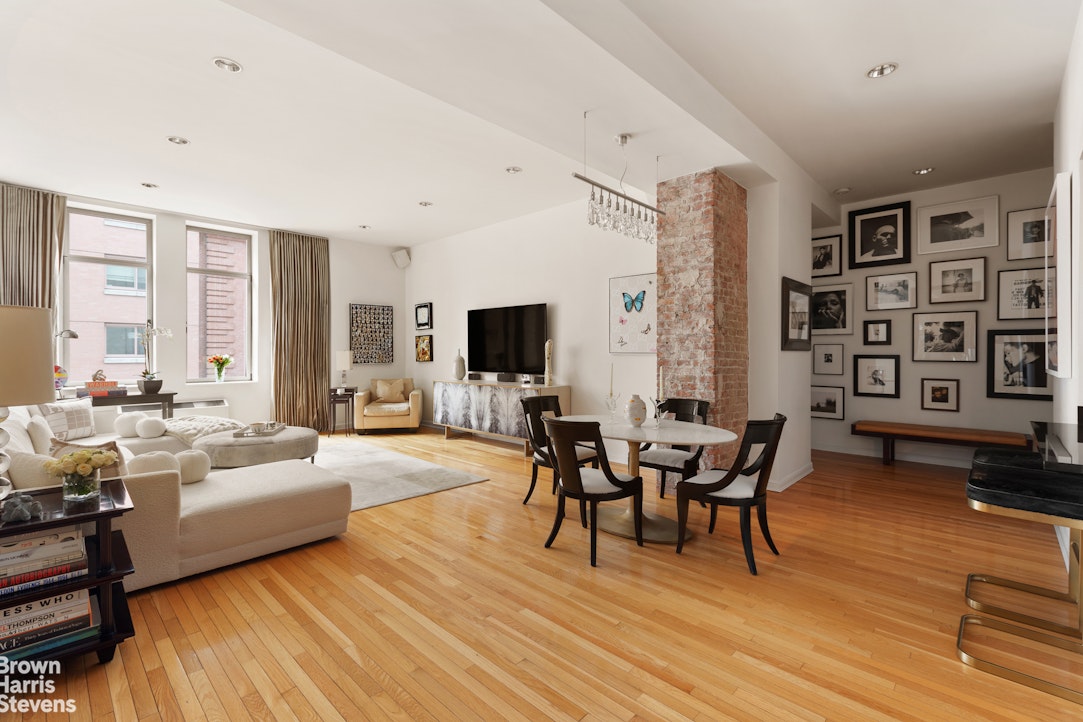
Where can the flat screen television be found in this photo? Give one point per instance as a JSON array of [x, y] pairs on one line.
[[509, 339]]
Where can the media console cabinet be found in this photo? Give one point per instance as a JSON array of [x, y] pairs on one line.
[[491, 408]]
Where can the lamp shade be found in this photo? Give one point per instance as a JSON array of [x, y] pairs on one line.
[[26, 362], [343, 362]]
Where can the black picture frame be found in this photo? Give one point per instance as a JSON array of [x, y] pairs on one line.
[[423, 316], [869, 247], [877, 333], [828, 402], [946, 336], [833, 309], [940, 394], [957, 281], [423, 348], [876, 375], [1016, 366], [827, 256], [796, 306]]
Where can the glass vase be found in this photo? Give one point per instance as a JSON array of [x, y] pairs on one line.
[[80, 488], [219, 374]]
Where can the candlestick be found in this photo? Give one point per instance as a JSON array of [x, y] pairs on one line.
[[610, 379], [661, 376]]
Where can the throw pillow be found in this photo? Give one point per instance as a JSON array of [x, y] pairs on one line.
[[150, 428], [41, 436], [125, 423], [59, 448], [389, 392], [153, 461], [195, 464], [27, 471], [69, 420]]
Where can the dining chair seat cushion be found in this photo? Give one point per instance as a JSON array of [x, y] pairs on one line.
[[583, 453], [665, 457], [594, 481], [743, 487]]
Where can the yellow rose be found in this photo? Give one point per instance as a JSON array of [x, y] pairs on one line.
[[67, 465], [84, 469]]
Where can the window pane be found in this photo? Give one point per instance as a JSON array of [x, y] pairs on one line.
[[94, 236], [126, 277], [123, 341], [217, 324], [217, 250], [107, 324]]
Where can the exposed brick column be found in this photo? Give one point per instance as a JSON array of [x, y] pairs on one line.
[[703, 299]]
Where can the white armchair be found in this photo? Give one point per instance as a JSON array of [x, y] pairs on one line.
[[388, 404]]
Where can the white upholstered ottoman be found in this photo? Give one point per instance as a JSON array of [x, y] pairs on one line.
[[228, 451]]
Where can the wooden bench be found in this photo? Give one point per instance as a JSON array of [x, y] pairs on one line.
[[889, 431]]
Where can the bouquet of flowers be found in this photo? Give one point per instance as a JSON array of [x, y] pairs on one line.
[[220, 361], [79, 468], [148, 333]]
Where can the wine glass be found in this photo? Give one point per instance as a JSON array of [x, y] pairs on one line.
[[611, 404]]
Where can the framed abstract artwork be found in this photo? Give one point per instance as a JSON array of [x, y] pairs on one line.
[[372, 333], [633, 314], [423, 316], [423, 348], [880, 236]]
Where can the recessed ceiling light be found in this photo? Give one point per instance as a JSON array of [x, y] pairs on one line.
[[842, 190], [364, 228], [177, 140], [924, 171], [424, 204], [230, 66], [881, 70], [149, 185], [513, 170]]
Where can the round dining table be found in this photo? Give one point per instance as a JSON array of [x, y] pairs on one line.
[[656, 529]]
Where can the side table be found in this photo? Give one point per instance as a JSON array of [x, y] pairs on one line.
[[342, 396]]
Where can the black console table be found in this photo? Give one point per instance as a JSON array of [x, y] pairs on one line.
[[1047, 487], [164, 399]]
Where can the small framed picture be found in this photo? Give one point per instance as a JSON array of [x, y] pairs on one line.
[[880, 236], [955, 281], [940, 394], [1017, 364], [959, 226], [1026, 234], [827, 359], [832, 309], [423, 348], [1026, 293], [827, 256], [878, 333], [876, 376], [894, 290], [796, 301], [827, 402], [423, 316], [946, 336]]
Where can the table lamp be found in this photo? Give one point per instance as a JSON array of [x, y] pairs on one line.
[[343, 363], [26, 366]]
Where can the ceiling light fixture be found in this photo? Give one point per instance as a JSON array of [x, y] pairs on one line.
[[882, 70], [178, 140], [364, 228], [424, 204], [149, 185], [614, 211], [230, 66], [513, 170], [924, 171], [841, 190]]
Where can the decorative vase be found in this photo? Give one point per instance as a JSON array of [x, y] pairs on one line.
[[459, 366], [635, 410], [149, 386], [80, 488], [219, 374]]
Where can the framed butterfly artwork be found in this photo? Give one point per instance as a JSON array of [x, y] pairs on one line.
[[633, 314]]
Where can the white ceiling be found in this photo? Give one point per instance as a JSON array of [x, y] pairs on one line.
[[351, 112]]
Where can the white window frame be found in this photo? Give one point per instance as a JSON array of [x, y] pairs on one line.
[[248, 277]]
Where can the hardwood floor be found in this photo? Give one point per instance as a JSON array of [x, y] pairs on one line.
[[448, 607]]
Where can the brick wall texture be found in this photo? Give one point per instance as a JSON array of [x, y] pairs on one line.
[[703, 299]]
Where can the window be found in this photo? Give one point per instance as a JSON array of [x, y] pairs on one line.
[[106, 294], [219, 301]]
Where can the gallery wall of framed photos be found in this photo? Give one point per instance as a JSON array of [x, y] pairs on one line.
[[936, 308]]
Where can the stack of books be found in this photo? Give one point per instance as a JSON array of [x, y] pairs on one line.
[[44, 624], [105, 388], [35, 559]]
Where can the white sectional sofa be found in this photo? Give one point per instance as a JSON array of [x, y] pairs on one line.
[[229, 516]]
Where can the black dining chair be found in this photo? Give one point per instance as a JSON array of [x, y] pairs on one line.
[[743, 485], [683, 460], [534, 409], [588, 485]]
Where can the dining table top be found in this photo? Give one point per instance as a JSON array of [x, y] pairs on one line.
[[670, 431]]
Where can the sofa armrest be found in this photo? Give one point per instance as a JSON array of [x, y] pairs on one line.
[[360, 400], [415, 408], [152, 528]]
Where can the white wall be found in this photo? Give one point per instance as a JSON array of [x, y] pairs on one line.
[[1016, 192]]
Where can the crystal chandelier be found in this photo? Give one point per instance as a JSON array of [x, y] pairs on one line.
[[614, 211]]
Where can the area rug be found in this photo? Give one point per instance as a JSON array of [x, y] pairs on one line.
[[378, 476]]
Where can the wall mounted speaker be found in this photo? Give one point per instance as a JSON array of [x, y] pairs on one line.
[[506, 377], [473, 377], [401, 257]]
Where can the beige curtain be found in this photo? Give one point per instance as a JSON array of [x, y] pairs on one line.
[[31, 234], [300, 318]]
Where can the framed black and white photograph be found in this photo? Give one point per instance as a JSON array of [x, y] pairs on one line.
[[890, 291], [1017, 364], [877, 333], [959, 226], [940, 394], [827, 402], [827, 359], [1026, 234], [957, 281], [880, 236], [832, 309], [796, 302], [1058, 261], [1026, 293], [946, 336], [826, 256], [876, 376], [423, 316]]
